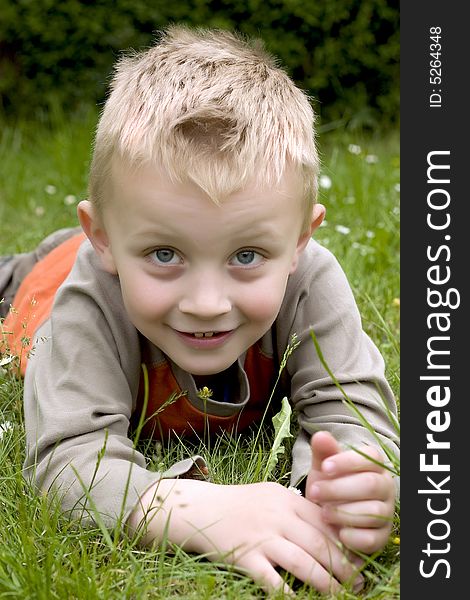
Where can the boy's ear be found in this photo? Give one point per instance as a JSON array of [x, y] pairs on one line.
[[95, 232], [318, 214]]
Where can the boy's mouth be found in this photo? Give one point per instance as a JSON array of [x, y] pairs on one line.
[[205, 339]]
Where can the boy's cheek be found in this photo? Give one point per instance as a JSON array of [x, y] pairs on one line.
[[144, 306], [263, 299], [141, 300], [263, 306]]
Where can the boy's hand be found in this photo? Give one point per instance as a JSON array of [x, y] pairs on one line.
[[255, 528], [356, 495]]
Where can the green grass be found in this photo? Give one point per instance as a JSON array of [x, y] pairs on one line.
[[43, 173]]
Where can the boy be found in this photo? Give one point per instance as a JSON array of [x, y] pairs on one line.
[[199, 263]]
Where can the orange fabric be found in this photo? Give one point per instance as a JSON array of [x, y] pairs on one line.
[[33, 301], [182, 418]]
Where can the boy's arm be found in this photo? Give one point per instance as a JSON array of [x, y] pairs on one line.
[[319, 298]]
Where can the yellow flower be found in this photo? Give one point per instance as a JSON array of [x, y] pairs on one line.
[[205, 393]]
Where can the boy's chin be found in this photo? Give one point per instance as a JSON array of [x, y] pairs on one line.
[[207, 372], [205, 368]]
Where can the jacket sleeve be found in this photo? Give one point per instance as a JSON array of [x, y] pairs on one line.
[[319, 299], [80, 389]]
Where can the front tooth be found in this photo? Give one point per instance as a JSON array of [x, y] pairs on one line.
[[209, 334], [198, 335]]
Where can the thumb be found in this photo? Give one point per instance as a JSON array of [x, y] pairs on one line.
[[323, 445]]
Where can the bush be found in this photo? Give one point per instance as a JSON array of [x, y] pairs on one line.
[[343, 52]]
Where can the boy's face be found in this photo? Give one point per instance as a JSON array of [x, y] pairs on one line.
[[202, 282]]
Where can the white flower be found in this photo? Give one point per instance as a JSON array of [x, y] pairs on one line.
[[6, 361], [325, 182], [342, 229], [70, 199], [363, 250], [50, 189], [370, 234], [354, 149], [4, 427], [39, 211], [372, 159]]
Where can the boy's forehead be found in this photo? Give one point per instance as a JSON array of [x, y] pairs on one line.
[[147, 204], [127, 176]]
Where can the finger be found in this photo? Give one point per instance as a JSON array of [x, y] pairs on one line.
[[299, 563], [370, 513], [357, 560], [329, 552], [264, 574], [368, 485], [322, 543], [323, 445], [365, 540], [310, 515], [368, 458]]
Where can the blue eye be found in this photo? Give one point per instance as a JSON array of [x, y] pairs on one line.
[[165, 256], [247, 258]]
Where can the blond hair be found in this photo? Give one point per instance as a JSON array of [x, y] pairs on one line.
[[210, 107]]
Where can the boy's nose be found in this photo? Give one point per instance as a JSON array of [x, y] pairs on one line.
[[205, 300]]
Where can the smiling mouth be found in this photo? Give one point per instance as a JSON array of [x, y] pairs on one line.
[[205, 340]]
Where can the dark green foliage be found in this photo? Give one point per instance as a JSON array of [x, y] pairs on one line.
[[343, 52]]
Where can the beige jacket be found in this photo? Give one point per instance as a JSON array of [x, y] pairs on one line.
[[82, 382]]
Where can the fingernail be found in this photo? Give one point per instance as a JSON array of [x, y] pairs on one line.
[[358, 584], [358, 561], [328, 466]]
